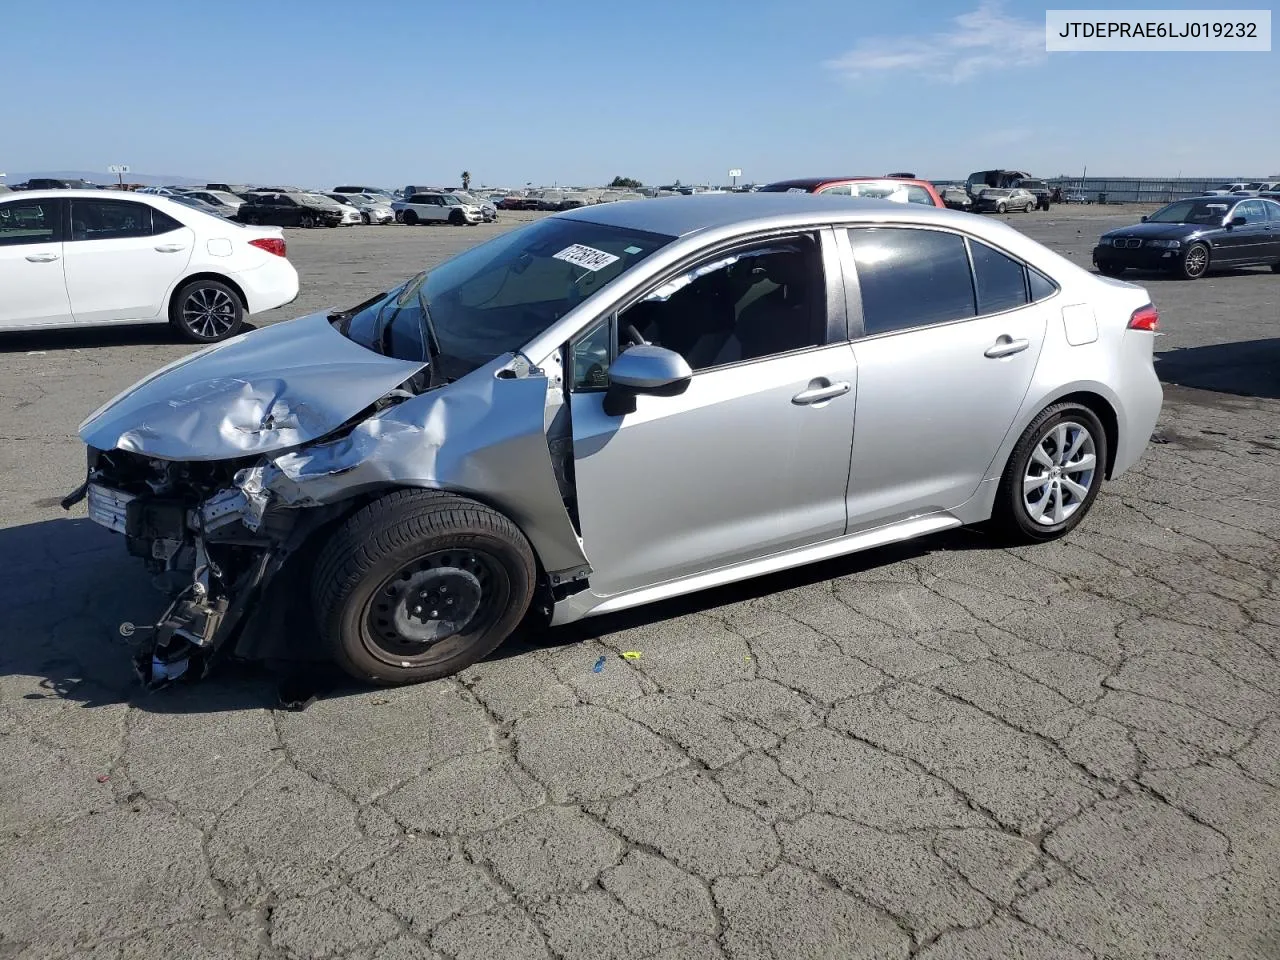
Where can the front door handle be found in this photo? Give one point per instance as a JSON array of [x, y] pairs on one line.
[[1006, 346], [818, 394], [171, 247], [43, 257]]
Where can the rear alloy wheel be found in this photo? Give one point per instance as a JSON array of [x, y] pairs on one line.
[[420, 584], [410, 217], [1194, 263], [1029, 207], [1053, 475], [206, 311], [306, 221]]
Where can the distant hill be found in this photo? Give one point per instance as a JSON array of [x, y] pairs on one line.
[[94, 176]]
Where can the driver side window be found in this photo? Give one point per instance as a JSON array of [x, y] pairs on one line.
[[742, 305]]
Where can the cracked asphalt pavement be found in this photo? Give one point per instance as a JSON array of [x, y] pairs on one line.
[[944, 749]]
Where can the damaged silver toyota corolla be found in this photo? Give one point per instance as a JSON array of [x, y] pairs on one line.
[[611, 406]]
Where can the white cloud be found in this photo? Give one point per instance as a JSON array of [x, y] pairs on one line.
[[978, 42]]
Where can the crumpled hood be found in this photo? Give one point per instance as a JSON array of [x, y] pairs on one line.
[[261, 392]]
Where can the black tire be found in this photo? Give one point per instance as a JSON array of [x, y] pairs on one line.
[[306, 221], [457, 218], [206, 311], [1194, 264], [447, 543], [333, 223], [1012, 517], [1110, 269], [1000, 208], [365, 219], [1275, 268], [411, 217]]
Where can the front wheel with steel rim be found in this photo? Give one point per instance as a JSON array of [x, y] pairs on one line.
[[205, 311], [1000, 208], [1053, 475], [1194, 263], [420, 584]]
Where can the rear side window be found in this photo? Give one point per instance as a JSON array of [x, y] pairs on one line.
[[911, 278], [1000, 280], [109, 220], [163, 223], [31, 221], [1041, 286]]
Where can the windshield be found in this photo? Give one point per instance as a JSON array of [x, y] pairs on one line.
[[496, 297], [1207, 212], [340, 198]]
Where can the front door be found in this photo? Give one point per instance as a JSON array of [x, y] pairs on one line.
[[33, 290], [118, 267], [944, 362], [753, 458]]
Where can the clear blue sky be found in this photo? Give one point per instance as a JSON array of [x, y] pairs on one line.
[[391, 91]]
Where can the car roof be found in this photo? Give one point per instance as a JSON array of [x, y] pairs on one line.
[[679, 216]]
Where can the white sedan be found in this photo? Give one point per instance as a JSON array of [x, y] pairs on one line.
[[71, 258]]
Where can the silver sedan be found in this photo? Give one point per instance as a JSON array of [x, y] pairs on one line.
[[616, 405]]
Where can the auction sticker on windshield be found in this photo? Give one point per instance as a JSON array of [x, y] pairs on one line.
[[588, 257]]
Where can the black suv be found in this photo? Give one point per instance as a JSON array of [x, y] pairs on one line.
[[1041, 189], [288, 210]]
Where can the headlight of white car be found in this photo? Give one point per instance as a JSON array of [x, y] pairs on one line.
[[1168, 244]]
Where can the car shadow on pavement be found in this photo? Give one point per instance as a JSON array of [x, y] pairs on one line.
[[706, 601], [89, 338], [66, 585], [1250, 368]]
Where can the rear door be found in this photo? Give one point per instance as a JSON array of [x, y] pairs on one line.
[[943, 366], [122, 258], [1246, 243], [33, 289], [1272, 209]]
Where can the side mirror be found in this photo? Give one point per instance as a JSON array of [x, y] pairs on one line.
[[1237, 222], [1144, 219], [644, 368]]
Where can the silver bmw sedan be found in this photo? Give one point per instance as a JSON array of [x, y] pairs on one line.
[[615, 405]]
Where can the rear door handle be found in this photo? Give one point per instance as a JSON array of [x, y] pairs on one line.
[[171, 247], [1006, 346], [818, 394], [43, 257]]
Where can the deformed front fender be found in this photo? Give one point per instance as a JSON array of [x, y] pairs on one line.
[[482, 436]]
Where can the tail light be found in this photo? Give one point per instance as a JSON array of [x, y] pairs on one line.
[[273, 245], [1145, 318]]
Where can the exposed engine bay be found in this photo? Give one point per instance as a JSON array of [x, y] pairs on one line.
[[208, 537]]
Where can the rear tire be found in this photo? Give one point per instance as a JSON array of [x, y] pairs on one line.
[[1000, 208], [1275, 268], [365, 219], [383, 569], [306, 221], [410, 218], [1065, 447], [206, 311], [457, 218]]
